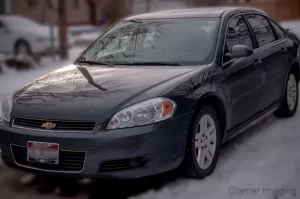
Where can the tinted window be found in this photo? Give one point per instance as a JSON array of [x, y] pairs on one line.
[[278, 30], [262, 29], [237, 34], [186, 41]]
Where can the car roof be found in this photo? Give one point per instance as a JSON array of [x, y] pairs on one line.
[[211, 12]]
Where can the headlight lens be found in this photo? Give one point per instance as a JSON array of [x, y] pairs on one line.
[[146, 112], [6, 108]]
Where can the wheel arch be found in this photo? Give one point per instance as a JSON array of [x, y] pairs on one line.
[[20, 40], [295, 68], [217, 103]]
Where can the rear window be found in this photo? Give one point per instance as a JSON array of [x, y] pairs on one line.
[[185, 41], [277, 29], [261, 28]]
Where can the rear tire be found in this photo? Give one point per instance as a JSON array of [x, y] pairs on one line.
[[290, 102], [203, 144], [22, 48]]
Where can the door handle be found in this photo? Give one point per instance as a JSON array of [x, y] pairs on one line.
[[283, 50], [257, 63]]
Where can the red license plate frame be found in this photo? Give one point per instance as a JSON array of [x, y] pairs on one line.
[[43, 152]]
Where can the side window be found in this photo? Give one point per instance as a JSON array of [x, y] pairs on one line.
[[261, 29], [278, 30], [237, 34]]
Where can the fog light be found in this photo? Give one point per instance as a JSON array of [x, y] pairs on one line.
[[138, 162]]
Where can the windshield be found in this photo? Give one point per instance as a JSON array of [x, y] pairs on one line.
[[185, 41]]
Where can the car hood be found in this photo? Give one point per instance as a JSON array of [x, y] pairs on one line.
[[90, 93]]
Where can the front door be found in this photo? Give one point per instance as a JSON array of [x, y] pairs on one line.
[[244, 78]]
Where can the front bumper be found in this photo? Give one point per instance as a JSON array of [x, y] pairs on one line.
[[161, 144]]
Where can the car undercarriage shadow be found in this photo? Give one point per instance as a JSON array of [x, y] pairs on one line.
[[127, 188], [109, 188]]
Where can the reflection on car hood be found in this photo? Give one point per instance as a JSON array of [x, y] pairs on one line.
[[88, 92]]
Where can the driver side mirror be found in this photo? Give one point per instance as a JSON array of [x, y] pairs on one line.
[[239, 51]]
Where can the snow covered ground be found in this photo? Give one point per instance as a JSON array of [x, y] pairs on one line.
[[81, 29], [265, 158], [88, 38], [140, 6]]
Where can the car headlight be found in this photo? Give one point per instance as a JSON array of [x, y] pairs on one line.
[[146, 112], [6, 108]]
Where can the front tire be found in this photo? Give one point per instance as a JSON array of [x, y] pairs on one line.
[[290, 102], [203, 144]]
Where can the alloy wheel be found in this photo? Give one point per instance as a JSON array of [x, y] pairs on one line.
[[205, 142]]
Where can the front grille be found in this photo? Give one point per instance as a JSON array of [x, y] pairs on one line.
[[69, 161], [59, 125]]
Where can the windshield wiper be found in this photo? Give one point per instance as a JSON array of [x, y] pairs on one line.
[[93, 62], [150, 64]]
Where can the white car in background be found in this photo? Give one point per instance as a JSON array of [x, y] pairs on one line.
[[20, 35]]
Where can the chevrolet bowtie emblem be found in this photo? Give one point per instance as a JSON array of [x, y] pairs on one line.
[[49, 125]]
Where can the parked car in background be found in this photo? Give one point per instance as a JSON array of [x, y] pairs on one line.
[[156, 92], [21, 35]]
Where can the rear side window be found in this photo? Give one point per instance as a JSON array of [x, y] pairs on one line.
[[261, 29], [237, 34], [278, 30]]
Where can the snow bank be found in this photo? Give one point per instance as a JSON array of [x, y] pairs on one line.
[[140, 6], [294, 26], [87, 38], [77, 30]]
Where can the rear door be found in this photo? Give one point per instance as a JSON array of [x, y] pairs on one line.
[[272, 49], [244, 77]]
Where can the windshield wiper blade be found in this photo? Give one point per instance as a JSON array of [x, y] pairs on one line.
[[93, 62], [150, 64]]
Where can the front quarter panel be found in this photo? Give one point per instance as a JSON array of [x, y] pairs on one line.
[[190, 91]]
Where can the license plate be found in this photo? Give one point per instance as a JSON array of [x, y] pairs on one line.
[[43, 152]]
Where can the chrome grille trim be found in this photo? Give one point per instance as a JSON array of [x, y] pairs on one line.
[[59, 123]]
